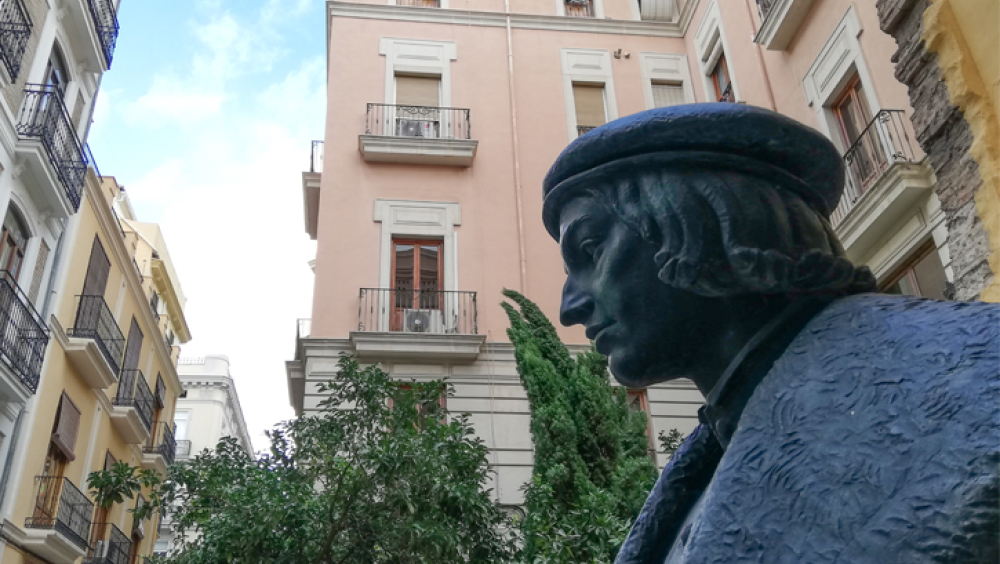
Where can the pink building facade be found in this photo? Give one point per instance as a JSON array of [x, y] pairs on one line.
[[444, 115]]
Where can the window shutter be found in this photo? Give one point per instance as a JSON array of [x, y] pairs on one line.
[[133, 347], [67, 426], [97, 271], [589, 100], [36, 277], [418, 91], [667, 95]]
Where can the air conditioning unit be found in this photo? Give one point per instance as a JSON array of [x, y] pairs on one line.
[[423, 321], [416, 128]]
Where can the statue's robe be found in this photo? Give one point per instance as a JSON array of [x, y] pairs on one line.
[[873, 438]]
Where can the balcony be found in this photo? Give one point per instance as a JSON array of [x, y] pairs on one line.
[[15, 29], [659, 10], [727, 94], [420, 3], [579, 8], [183, 449], [106, 26], [780, 20], [132, 412], [45, 128], [96, 343], [417, 135], [159, 451], [410, 324], [310, 188], [60, 524], [109, 545], [23, 337], [885, 180]]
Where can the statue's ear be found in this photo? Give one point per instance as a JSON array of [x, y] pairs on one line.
[[676, 271]]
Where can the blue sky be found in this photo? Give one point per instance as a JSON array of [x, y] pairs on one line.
[[206, 117]]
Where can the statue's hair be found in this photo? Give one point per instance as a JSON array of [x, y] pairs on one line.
[[724, 233]]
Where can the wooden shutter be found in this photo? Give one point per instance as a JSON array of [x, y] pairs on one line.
[[36, 277], [134, 346], [667, 95], [66, 427], [97, 271], [589, 100], [418, 91]]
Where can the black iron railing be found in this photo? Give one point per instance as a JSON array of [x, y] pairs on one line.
[[183, 448], [420, 3], [61, 506], [764, 7], [883, 142], [727, 94], [133, 391], [109, 545], [44, 115], [15, 30], [160, 392], [94, 321], [106, 26], [390, 120], [581, 129], [418, 311], [316, 157], [580, 8], [162, 442], [23, 334]]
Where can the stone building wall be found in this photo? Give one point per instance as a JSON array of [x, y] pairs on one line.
[[947, 138]]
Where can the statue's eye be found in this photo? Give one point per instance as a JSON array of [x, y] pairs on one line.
[[591, 248]]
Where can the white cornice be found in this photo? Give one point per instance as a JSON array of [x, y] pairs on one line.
[[520, 21]]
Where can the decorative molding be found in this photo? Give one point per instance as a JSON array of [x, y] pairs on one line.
[[665, 67], [518, 21], [587, 66], [416, 218], [414, 346], [710, 43], [782, 21], [417, 150], [417, 56]]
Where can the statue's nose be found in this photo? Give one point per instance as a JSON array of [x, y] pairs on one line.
[[577, 304]]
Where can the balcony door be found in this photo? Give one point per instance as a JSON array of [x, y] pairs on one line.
[[417, 284], [12, 243], [863, 157], [417, 111]]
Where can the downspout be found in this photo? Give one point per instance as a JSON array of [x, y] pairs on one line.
[[760, 58], [517, 155]]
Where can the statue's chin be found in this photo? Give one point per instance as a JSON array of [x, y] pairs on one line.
[[632, 378]]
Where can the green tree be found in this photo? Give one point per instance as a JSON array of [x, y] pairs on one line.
[[383, 475], [592, 468], [123, 481]]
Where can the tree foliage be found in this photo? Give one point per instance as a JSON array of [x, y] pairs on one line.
[[592, 468], [122, 482], [383, 475]]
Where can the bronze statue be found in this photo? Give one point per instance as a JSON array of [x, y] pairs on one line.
[[840, 425]]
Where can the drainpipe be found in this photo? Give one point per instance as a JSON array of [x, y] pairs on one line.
[[760, 59], [517, 155]]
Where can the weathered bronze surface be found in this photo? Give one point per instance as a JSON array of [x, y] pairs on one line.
[[840, 425]]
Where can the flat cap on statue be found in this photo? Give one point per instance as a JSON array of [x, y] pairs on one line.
[[723, 136]]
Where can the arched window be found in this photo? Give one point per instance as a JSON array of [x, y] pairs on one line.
[[55, 72], [12, 242]]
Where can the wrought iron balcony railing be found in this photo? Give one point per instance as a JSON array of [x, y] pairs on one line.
[[390, 120], [764, 7], [44, 116], [420, 3], [133, 391], [183, 448], [580, 8], [15, 29], [316, 157], [109, 545], [581, 129], [94, 321], [106, 26], [882, 143], [727, 94], [61, 506], [418, 311], [23, 335], [162, 442]]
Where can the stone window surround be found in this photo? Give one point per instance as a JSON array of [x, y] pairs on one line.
[[418, 218], [598, 8], [672, 68], [587, 66], [427, 58], [710, 43]]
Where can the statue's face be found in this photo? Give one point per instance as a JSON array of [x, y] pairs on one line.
[[650, 331]]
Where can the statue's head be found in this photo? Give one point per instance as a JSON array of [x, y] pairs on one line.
[[680, 226]]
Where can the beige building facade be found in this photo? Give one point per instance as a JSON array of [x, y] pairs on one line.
[[443, 118]]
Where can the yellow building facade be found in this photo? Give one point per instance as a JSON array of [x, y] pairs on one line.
[[107, 392]]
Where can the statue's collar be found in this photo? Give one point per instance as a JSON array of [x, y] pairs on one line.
[[725, 402]]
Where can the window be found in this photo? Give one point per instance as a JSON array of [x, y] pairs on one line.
[[667, 94], [720, 80], [590, 106], [638, 400], [921, 275], [63, 441], [55, 71], [133, 348], [417, 101], [853, 116], [181, 419], [424, 408], [97, 271], [580, 8], [12, 243], [417, 282]]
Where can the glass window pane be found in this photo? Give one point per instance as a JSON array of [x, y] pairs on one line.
[[403, 277]]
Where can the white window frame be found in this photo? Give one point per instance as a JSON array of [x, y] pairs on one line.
[[598, 9], [417, 57], [710, 43], [587, 66], [837, 62], [665, 67]]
